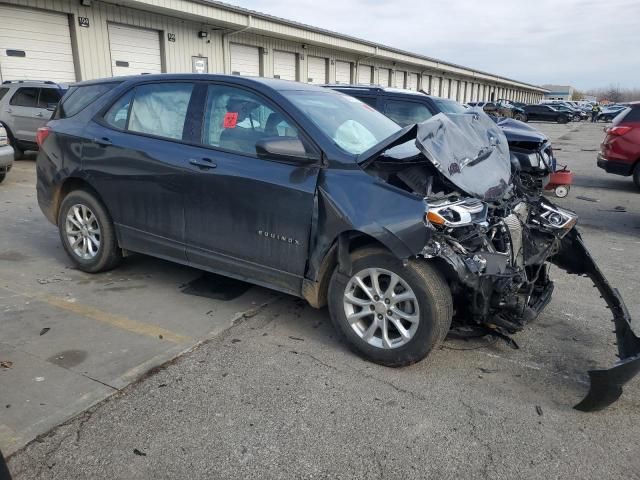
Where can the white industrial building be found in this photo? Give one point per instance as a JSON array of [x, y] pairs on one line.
[[72, 40]]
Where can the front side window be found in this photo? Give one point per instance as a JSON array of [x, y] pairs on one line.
[[406, 113], [25, 97], [350, 124], [235, 120]]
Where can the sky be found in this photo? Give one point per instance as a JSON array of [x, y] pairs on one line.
[[583, 43]]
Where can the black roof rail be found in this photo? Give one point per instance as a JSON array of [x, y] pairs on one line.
[[47, 82]]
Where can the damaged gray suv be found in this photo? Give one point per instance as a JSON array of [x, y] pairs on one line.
[[406, 233]]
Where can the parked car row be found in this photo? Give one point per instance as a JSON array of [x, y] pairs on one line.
[[323, 195]]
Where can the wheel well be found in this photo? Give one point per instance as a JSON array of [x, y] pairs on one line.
[[316, 291], [68, 186]]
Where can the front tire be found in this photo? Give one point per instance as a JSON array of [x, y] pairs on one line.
[[390, 314], [562, 119], [636, 175], [87, 233], [520, 116]]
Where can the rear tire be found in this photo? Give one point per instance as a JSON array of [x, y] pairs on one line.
[[2, 177], [428, 304], [520, 116], [561, 119], [87, 233], [636, 175]]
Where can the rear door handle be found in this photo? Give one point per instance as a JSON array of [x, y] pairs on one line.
[[9, 110], [204, 163], [103, 142]]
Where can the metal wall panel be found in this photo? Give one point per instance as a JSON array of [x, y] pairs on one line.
[[399, 79], [412, 81]]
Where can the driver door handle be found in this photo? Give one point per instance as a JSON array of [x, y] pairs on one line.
[[103, 142], [203, 163]]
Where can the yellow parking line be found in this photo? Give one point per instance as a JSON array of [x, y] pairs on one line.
[[117, 321]]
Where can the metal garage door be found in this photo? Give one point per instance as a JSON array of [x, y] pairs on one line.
[[35, 45], [436, 84], [285, 65], [134, 50], [399, 79], [412, 83], [317, 70], [455, 86], [446, 83], [364, 74], [383, 77], [245, 60], [343, 72]]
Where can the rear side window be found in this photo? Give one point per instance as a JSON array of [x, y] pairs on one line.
[[49, 97], [25, 97], [77, 98], [3, 92], [406, 113], [158, 109]]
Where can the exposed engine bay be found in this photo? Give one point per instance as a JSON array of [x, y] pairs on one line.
[[495, 235]]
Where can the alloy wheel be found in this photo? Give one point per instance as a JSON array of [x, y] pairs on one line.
[[83, 232], [381, 308]]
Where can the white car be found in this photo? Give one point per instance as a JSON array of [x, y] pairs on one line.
[[6, 154]]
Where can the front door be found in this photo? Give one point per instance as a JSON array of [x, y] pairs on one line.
[[22, 112], [247, 215]]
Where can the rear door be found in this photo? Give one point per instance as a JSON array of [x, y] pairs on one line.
[[245, 215], [135, 158]]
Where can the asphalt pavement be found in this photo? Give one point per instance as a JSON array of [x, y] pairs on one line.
[[266, 390]]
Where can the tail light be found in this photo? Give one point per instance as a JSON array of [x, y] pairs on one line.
[[42, 134], [619, 131]]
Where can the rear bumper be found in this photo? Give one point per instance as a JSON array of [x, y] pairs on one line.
[[612, 166], [6, 158]]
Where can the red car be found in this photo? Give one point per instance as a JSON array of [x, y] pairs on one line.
[[620, 149]]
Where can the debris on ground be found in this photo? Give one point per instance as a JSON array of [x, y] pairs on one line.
[[539, 410], [6, 364], [139, 452], [588, 199], [44, 330]]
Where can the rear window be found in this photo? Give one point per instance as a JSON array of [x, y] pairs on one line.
[[631, 114], [3, 92], [49, 97], [77, 98]]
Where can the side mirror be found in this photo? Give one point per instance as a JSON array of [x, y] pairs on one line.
[[287, 149]]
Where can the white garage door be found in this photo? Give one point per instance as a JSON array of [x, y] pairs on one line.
[[412, 83], [35, 45], [383, 77], [245, 60], [455, 85], [134, 50], [436, 83], [445, 88], [399, 79], [284, 65], [364, 74], [343, 72], [317, 70]]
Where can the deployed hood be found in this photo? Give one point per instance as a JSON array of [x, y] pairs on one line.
[[470, 150]]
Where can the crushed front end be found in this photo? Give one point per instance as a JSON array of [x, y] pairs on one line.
[[495, 235]]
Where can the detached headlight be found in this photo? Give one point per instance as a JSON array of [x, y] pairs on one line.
[[457, 214]]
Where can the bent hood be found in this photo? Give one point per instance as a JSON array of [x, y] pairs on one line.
[[470, 150], [517, 131]]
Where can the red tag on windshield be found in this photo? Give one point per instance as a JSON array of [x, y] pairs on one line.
[[230, 120]]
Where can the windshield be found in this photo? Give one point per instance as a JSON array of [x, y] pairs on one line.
[[350, 124], [449, 106], [470, 150]]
